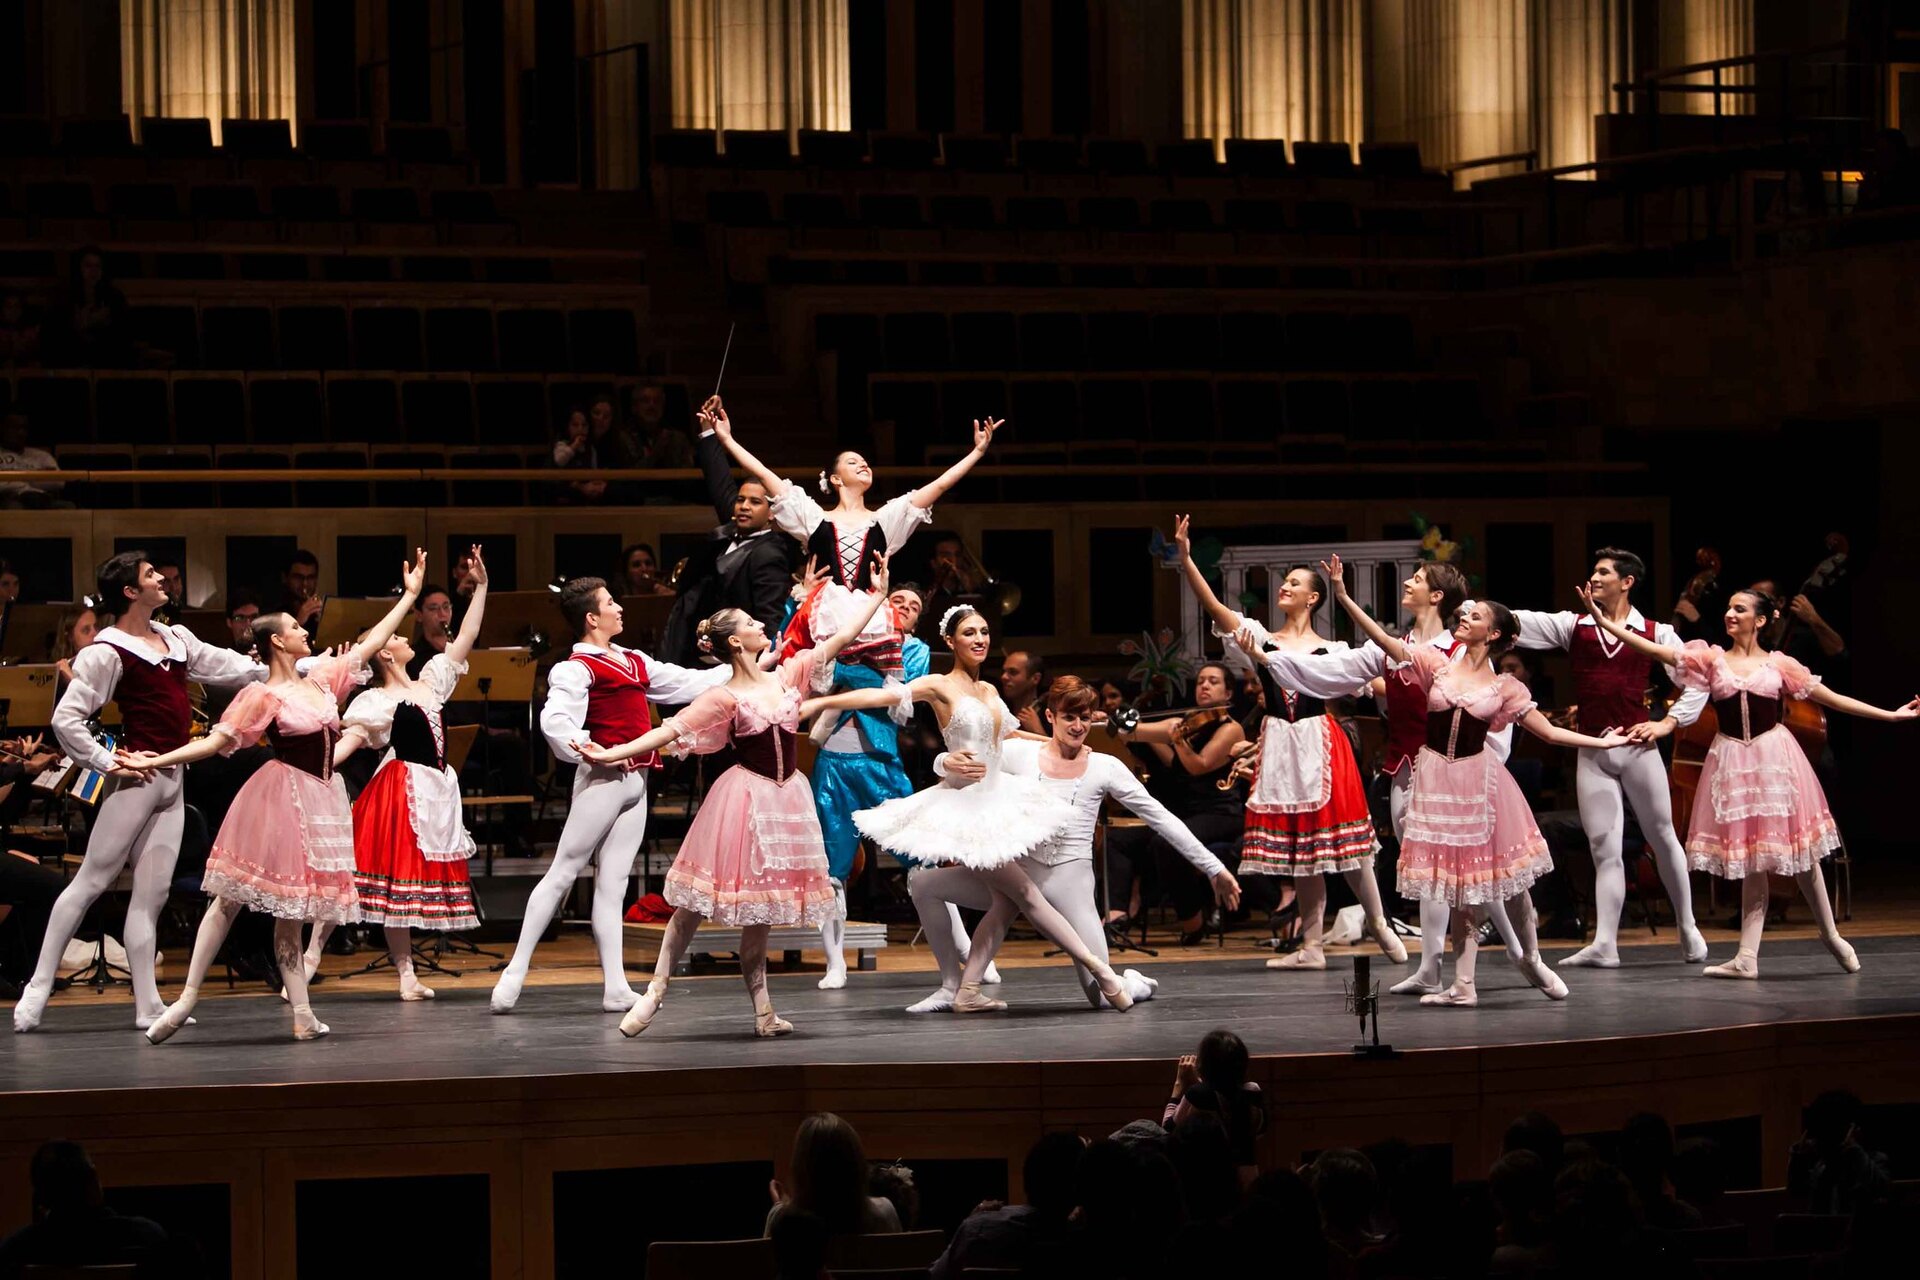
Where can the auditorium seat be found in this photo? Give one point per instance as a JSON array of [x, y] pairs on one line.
[[1317, 340], [176, 138], [1052, 340], [1323, 159], [1037, 213], [437, 408], [407, 493], [486, 493], [976, 152], [511, 410], [1047, 155], [349, 140], [1116, 156], [58, 198], [1391, 160], [387, 337], [1188, 157], [1258, 157], [1180, 409], [25, 136], [1049, 408], [419, 144], [185, 493], [255, 493], [256, 139], [904, 151], [532, 339], [603, 340], [1110, 213], [386, 204], [1114, 407], [460, 338], [1315, 406], [165, 326], [915, 340], [1251, 340], [756, 148], [985, 340], [814, 209], [56, 401], [314, 336], [238, 337], [1249, 409], [130, 406], [833, 149], [1120, 340], [309, 458], [209, 409], [96, 136], [685, 148], [1185, 340], [962, 212], [287, 406], [362, 406], [891, 210], [1268, 217]]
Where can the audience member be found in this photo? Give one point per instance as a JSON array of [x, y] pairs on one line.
[[893, 1182], [573, 451], [1033, 1237], [300, 583], [174, 576], [1424, 1232], [830, 1180], [1023, 686], [1597, 1227], [92, 332], [1646, 1158], [640, 572], [1213, 1081], [1522, 1189], [72, 1225], [1539, 1134], [799, 1247], [1343, 1182], [19, 453], [1113, 696], [1830, 1170], [1700, 1180], [19, 333], [662, 445], [1278, 1214]]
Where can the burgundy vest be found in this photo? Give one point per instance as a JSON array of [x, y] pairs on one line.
[[1611, 691], [617, 703], [156, 713], [308, 752], [769, 753], [1406, 715]]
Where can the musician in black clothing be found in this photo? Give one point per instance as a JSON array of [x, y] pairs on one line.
[[745, 564]]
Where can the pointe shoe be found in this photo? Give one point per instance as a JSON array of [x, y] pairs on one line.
[[171, 1021], [940, 1001], [768, 1025], [33, 1002], [306, 1024], [1460, 995], [1304, 958], [1140, 985], [416, 990], [1593, 957], [1535, 970], [1390, 944], [969, 1000], [1744, 965], [141, 1021], [1417, 985], [618, 1001], [1114, 988], [506, 993], [835, 977], [640, 1016], [1842, 951]]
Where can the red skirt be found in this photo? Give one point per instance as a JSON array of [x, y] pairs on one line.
[[1336, 837], [398, 884]]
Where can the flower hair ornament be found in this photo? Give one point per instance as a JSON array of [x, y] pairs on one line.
[[1466, 606], [824, 486], [952, 613], [703, 636]]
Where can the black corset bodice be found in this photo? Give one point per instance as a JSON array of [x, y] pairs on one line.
[[414, 739], [1746, 716], [1282, 702], [1455, 734]]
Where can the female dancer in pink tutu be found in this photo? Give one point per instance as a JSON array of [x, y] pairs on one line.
[[1759, 809], [754, 855], [410, 840], [1470, 840], [286, 847]]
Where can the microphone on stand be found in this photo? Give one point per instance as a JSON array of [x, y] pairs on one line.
[[1363, 1000]]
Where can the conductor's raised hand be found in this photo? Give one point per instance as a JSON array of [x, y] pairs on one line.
[[713, 417]]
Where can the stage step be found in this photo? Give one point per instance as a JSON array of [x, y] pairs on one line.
[[863, 936]]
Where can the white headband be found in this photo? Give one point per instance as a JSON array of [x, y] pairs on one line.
[[948, 615]]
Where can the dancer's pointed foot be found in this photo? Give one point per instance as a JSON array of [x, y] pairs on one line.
[[1114, 988], [33, 1002], [1420, 984], [306, 1024], [169, 1022], [1460, 995], [1745, 965], [1593, 957], [1139, 985], [640, 1015], [969, 1000], [141, 1021], [506, 992], [618, 999], [1304, 958], [940, 1001], [1535, 970], [1842, 951], [411, 988], [1382, 930], [767, 1024], [1693, 944]]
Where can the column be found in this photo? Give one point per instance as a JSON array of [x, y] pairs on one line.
[[1291, 69], [760, 64], [212, 59], [1578, 54], [1466, 81], [1704, 31]]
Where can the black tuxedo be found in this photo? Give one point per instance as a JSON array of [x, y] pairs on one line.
[[754, 573]]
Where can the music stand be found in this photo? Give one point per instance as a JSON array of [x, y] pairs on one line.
[[643, 621], [31, 632], [516, 617], [26, 696], [344, 619], [209, 626]]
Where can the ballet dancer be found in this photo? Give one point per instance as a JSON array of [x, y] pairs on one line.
[[1610, 685], [143, 667], [1759, 810], [987, 825], [286, 845], [410, 842], [599, 693], [1061, 868], [1307, 814], [754, 856], [1433, 594]]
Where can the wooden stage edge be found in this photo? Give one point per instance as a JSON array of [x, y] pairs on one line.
[[260, 1140]]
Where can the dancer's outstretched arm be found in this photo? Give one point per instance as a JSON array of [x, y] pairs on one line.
[[1391, 645], [462, 643], [412, 578], [928, 494], [1544, 729], [1225, 620], [714, 415], [1854, 707], [1665, 654]]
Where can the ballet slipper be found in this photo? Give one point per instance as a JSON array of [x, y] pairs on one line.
[[768, 1025], [1745, 964], [1535, 970], [411, 988], [1390, 944], [175, 1016], [835, 977], [141, 1021], [969, 1000], [1693, 944], [940, 1001], [618, 1001], [1140, 985], [1114, 988], [640, 1016], [991, 978], [307, 1024], [506, 992], [33, 1002], [1460, 995], [1842, 951], [1304, 958], [1593, 957], [1417, 985]]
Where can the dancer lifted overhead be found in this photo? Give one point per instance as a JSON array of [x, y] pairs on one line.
[[1610, 685], [753, 856], [1307, 815], [286, 846], [600, 692], [1760, 810], [143, 667]]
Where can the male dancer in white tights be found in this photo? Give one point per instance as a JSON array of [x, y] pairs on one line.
[[601, 691], [144, 667], [1609, 683]]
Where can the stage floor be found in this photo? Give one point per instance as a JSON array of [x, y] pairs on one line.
[[560, 1031]]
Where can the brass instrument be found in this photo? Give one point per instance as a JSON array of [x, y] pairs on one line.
[[1005, 595]]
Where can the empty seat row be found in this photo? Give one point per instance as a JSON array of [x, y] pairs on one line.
[[1062, 340], [192, 138], [333, 265], [210, 409], [1156, 271], [1172, 407], [72, 197]]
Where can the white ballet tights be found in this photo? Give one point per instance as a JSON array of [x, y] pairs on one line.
[[608, 817], [679, 936], [833, 940], [1753, 922], [399, 941], [139, 822], [214, 926], [1310, 898], [1605, 782], [1014, 893]]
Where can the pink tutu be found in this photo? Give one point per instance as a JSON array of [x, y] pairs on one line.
[[286, 848], [1759, 807], [754, 854], [1470, 837]]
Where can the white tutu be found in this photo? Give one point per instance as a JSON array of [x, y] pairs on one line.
[[981, 825]]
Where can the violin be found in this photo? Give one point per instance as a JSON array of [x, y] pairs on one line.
[[1196, 720]]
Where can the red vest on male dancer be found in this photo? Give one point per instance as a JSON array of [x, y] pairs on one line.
[[1609, 679], [617, 701], [1406, 713], [156, 711]]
